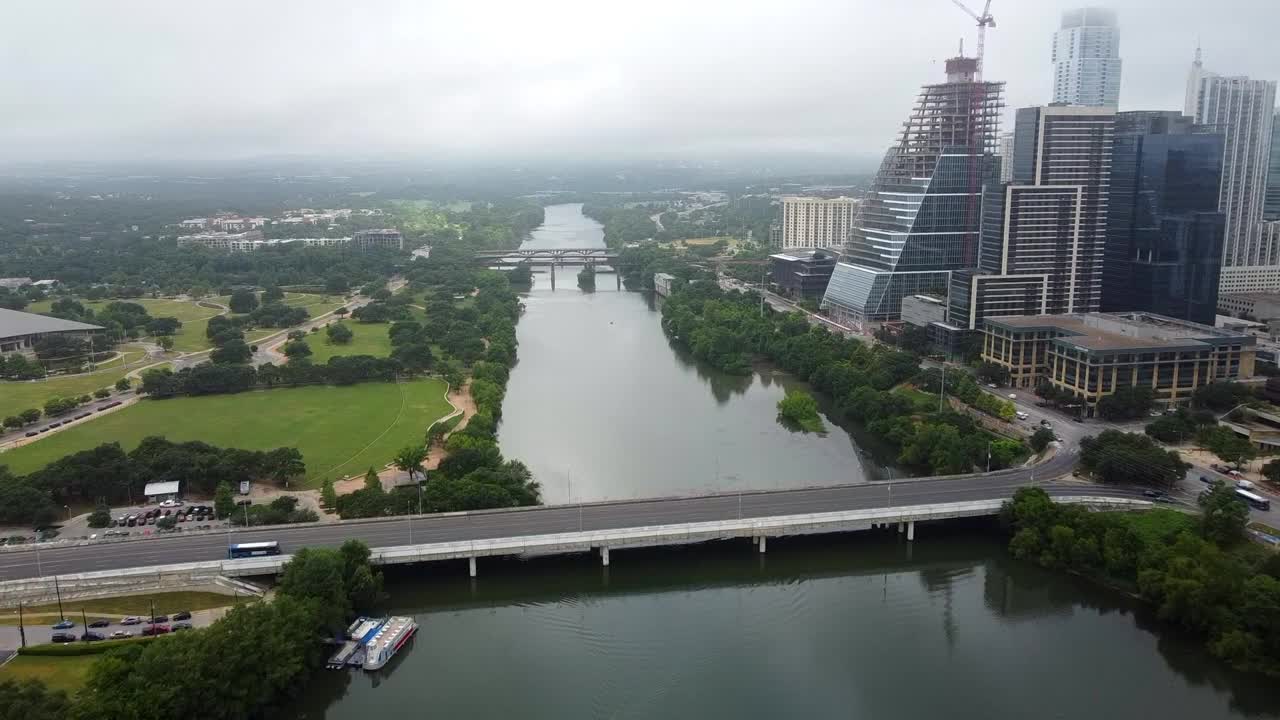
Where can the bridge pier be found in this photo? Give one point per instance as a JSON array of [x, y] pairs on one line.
[[553, 276], [763, 542], [617, 274], [471, 562], [604, 556], [902, 527], [911, 530]]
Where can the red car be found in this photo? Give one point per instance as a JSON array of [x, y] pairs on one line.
[[155, 630]]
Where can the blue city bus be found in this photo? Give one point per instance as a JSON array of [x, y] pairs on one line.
[[254, 549]]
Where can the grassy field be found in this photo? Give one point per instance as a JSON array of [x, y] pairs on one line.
[[370, 339], [339, 430], [921, 402], [59, 673], [19, 395], [114, 608], [1158, 523]]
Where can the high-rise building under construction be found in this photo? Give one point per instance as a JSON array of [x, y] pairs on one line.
[[922, 216]]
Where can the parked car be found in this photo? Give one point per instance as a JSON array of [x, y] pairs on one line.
[[92, 637], [131, 620], [1244, 485], [121, 634], [1208, 480], [160, 619], [182, 615], [100, 623], [63, 637], [183, 626], [63, 625], [155, 630]]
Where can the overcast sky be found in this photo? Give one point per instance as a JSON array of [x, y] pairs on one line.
[[207, 79]]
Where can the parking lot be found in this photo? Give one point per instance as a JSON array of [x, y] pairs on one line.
[[37, 634], [146, 519]]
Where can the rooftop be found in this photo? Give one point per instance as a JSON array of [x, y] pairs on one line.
[[16, 324], [799, 255], [1124, 331], [161, 488]]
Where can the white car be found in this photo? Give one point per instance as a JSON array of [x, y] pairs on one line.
[[1013, 396], [120, 634], [171, 503]]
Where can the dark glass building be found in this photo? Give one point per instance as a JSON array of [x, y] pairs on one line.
[[802, 273], [1165, 234]]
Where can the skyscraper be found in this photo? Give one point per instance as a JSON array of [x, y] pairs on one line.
[[1044, 233], [1271, 207], [920, 219], [1086, 59], [1164, 241], [1244, 111]]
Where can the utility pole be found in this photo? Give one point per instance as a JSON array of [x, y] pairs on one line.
[[22, 630], [85, 619], [58, 592], [408, 511], [942, 392], [988, 456]]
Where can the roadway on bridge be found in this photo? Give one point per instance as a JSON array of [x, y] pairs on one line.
[[17, 564]]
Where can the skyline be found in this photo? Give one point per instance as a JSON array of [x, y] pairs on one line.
[[566, 80]]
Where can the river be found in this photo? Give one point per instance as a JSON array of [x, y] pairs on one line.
[[852, 626], [603, 407], [860, 625]]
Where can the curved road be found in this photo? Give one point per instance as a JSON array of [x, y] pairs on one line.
[[16, 564]]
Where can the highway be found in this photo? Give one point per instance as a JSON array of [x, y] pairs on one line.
[[28, 562]]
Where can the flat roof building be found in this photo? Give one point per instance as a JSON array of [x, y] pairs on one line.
[[1092, 355], [814, 222], [384, 238], [20, 331], [160, 491], [802, 273]]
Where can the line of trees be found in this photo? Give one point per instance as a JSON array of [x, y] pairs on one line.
[[222, 378], [1115, 457], [729, 331], [474, 475], [107, 474], [1202, 576]]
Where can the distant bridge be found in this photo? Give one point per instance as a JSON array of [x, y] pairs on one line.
[[552, 258]]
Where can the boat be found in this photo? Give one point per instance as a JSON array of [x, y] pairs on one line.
[[384, 641]]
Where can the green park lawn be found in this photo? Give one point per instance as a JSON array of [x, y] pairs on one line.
[[59, 673], [339, 430], [369, 339], [19, 395]]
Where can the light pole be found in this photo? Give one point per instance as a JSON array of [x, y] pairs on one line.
[[408, 511], [988, 456], [39, 569]]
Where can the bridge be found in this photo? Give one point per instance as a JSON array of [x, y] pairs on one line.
[[552, 258], [561, 528]]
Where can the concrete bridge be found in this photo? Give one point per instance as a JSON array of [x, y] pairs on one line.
[[553, 258], [601, 528]]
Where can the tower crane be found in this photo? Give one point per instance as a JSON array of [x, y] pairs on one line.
[[984, 20]]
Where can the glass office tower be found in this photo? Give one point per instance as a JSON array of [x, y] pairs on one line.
[[1165, 233]]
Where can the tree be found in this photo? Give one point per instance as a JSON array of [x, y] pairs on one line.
[[1223, 515], [102, 393], [1126, 403], [30, 416], [371, 481], [164, 326], [283, 464], [797, 408], [243, 302], [1041, 438], [198, 291], [341, 312], [272, 293], [100, 517], [32, 700], [234, 352], [1221, 396], [328, 496], [223, 502], [410, 460], [451, 371], [165, 343], [1119, 457], [339, 334], [1271, 471], [297, 349], [990, 372], [1226, 444]]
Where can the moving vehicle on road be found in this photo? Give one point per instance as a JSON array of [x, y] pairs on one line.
[[99, 623], [254, 549], [155, 630], [1254, 500], [121, 634], [64, 625], [63, 637], [131, 620]]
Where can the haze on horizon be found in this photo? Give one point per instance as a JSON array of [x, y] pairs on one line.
[[149, 80]]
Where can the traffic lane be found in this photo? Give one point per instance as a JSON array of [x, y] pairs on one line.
[[39, 632], [1191, 486], [425, 529]]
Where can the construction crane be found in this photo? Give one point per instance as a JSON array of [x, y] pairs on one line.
[[984, 20]]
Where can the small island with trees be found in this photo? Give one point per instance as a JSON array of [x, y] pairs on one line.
[[798, 411]]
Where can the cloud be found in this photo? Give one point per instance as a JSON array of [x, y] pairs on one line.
[[235, 79]]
